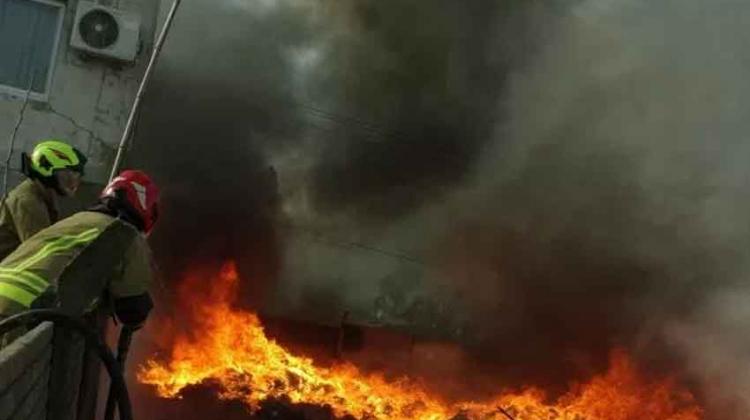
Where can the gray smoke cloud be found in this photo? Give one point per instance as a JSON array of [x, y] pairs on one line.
[[542, 181], [613, 208]]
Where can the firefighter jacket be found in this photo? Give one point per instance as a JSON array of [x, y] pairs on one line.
[[27, 210], [75, 265]]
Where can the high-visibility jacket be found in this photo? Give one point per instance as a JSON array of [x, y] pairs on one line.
[[75, 264], [27, 210]]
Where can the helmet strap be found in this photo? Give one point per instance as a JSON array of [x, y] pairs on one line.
[[26, 165], [52, 182]]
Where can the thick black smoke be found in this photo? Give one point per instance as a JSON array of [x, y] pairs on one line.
[[391, 102], [544, 182], [426, 78], [220, 95]]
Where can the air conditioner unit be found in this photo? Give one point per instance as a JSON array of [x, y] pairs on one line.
[[106, 32]]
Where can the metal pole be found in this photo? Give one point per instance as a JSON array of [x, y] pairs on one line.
[[340, 336], [142, 89]]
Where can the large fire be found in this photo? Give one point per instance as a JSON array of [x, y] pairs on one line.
[[232, 351]]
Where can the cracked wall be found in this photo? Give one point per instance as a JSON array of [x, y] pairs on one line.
[[89, 99]]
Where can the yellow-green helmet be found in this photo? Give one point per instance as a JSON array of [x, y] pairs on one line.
[[51, 155]]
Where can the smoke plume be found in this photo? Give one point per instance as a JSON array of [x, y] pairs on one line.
[[611, 209], [543, 182]]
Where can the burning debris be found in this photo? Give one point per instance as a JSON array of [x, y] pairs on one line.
[[233, 353]]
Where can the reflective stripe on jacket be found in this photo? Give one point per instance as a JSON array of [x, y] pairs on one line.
[[74, 264]]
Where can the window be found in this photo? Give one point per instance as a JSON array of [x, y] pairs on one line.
[[29, 35]]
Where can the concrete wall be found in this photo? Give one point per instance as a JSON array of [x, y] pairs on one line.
[[24, 382], [88, 102]]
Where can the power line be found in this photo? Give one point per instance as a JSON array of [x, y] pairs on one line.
[[376, 128], [358, 246], [343, 119], [12, 140]]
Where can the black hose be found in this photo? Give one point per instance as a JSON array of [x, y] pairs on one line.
[[123, 345], [92, 340]]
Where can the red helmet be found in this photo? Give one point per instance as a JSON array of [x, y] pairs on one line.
[[140, 193]]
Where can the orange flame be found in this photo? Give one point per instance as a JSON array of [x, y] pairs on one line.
[[233, 351]]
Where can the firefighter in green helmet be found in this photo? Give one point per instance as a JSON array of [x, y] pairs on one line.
[[54, 169]]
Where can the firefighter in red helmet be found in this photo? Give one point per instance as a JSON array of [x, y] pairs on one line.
[[93, 258]]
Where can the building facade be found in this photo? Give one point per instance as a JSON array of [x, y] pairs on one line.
[[74, 95]]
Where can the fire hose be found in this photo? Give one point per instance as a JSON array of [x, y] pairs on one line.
[[123, 345], [118, 389]]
